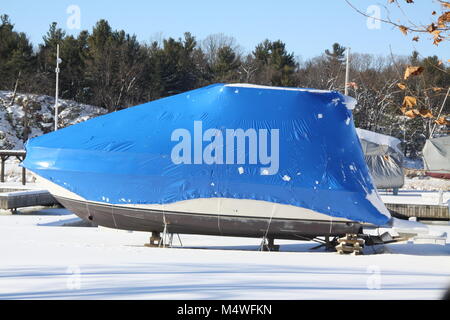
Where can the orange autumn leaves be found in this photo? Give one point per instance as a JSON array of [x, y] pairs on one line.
[[412, 71], [409, 109], [442, 121], [409, 106], [438, 29]]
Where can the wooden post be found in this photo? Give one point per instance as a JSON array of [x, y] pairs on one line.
[[24, 176], [3, 170], [15, 90], [24, 171], [5, 155]]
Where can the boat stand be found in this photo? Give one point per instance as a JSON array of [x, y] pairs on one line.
[[155, 240], [350, 244], [329, 244], [268, 244]]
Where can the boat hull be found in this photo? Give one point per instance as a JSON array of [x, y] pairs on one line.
[[150, 220], [438, 175]]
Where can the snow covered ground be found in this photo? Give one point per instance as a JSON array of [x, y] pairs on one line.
[[13, 172], [416, 197], [42, 259], [426, 184]]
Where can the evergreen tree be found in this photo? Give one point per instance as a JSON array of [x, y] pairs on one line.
[[114, 67], [45, 77], [276, 65], [226, 65], [16, 54], [337, 55], [334, 67], [176, 62]]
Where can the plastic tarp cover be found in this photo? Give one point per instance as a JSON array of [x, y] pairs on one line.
[[127, 156], [436, 154], [384, 159]]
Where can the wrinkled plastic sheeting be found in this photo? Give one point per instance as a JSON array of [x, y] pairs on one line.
[[436, 154], [125, 157], [384, 159], [386, 171]]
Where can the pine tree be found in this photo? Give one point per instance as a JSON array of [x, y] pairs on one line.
[[334, 67], [337, 55], [16, 55], [276, 65], [226, 65], [176, 62], [114, 68]]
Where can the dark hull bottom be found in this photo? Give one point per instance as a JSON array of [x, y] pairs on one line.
[[208, 224]]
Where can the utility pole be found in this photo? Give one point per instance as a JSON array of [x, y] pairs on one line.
[[58, 61], [347, 72]]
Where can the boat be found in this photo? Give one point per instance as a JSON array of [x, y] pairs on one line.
[[436, 157], [227, 159], [384, 159]]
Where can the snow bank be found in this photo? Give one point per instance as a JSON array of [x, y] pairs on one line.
[[426, 184], [38, 112], [379, 139]]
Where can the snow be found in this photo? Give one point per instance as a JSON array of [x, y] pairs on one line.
[[41, 259], [415, 197], [23, 193], [256, 86], [19, 186], [406, 226], [379, 139], [417, 180], [40, 116], [426, 184], [350, 102], [13, 172]]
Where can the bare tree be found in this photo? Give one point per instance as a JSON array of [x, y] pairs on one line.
[[214, 42], [439, 28]]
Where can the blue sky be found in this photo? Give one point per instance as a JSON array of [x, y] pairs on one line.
[[307, 27]]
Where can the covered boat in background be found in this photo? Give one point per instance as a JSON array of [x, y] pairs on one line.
[[384, 159], [233, 160], [436, 157]]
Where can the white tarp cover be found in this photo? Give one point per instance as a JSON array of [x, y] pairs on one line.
[[436, 154], [383, 157]]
